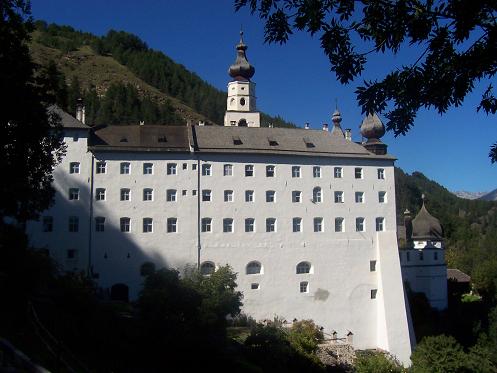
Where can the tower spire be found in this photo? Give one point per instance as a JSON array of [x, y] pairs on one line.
[[241, 69]]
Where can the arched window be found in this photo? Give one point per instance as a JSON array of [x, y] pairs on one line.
[[254, 268], [303, 267], [242, 122], [316, 194], [207, 268]]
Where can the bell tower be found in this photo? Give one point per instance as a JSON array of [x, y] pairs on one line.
[[241, 103]]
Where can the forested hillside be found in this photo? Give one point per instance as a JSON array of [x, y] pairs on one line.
[[124, 81]]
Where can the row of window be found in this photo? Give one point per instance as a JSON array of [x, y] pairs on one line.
[[171, 169], [421, 256], [171, 195], [207, 224]]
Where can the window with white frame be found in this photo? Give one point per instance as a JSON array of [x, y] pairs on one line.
[[381, 173], [253, 268], [380, 224], [74, 194], [296, 196], [372, 265], [304, 287], [125, 194], [338, 196], [171, 195], [339, 226], [359, 225], [358, 173], [74, 168], [148, 194], [101, 167], [207, 268], [270, 196], [249, 225], [249, 196], [303, 267], [171, 168], [206, 195], [382, 197], [148, 168], [270, 171], [318, 224], [125, 224], [316, 195], [359, 197], [270, 225], [249, 170], [172, 225], [100, 224], [316, 171], [374, 292], [125, 168], [295, 171], [228, 196], [100, 194], [148, 225], [73, 224], [297, 224], [206, 170], [228, 170], [206, 225], [47, 224], [338, 172], [227, 225]]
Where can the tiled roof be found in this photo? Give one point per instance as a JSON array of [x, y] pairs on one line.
[[457, 275], [67, 120]]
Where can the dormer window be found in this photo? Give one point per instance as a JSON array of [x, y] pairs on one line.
[[237, 140], [123, 139], [162, 139], [308, 143], [272, 141]]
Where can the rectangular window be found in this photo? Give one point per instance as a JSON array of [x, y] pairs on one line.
[[316, 195], [206, 170], [372, 265], [148, 168], [358, 173], [184, 192], [71, 254], [249, 196], [270, 196], [249, 225], [101, 167], [338, 197], [338, 172], [296, 196], [359, 197], [148, 194], [228, 196], [339, 226], [316, 171], [99, 224], [382, 197], [171, 195], [73, 224], [304, 287], [185, 166], [380, 224], [172, 225], [194, 167], [318, 224], [359, 224], [125, 224], [171, 168], [206, 195], [148, 225], [125, 194], [47, 224], [254, 286], [100, 194], [73, 194], [125, 168], [194, 192], [74, 168], [227, 225], [295, 171], [421, 256], [435, 256], [249, 170], [381, 173], [297, 224], [408, 256], [374, 292], [228, 170], [206, 225], [269, 171], [270, 225]]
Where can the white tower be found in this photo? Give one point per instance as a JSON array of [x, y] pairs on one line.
[[240, 108]]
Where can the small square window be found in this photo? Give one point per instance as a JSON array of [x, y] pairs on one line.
[[228, 170], [227, 225], [382, 197], [171, 168], [304, 287], [171, 195], [194, 192], [339, 226], [228, 196], [359, 197], [269, 171], [206, 170], [374, 292], [101, 167], [100, 194], [206, 225], [249, 196], [148, 168], [295, 171], [380, 224], [318, 224], [47, 224], [74, 168], [249, 225], [73, 224], [270, 196], [74, 194], [338, 197], [125, 194], [381, 173], [338, 172], [316, 171], [148, 225], [270, 225], [249, 170], [254, 286], [194, 167], [71, 254], [358, 173], [185, 166], [148, 194], [297, 224], [296, 196], [206, 195], [99, 224], [372, 265], [184, 192], [172, 225], [359, 225], [125, 168], [125, 224]]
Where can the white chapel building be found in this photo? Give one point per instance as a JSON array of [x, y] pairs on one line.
[[305, 217]]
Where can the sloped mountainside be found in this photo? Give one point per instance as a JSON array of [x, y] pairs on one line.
[[491, 196]]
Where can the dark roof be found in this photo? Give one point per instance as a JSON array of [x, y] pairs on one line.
[[141, 138], [289, 141], [426, 227], [67, 120], [457, 275]]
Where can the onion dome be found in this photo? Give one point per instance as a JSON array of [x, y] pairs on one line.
[[372, 127], [241, 69], [426, 227], [336, 118]]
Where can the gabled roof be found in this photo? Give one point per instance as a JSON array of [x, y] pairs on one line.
[[457, 275], [67, 120]]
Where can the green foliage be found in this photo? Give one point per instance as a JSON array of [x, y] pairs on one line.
[[305, 336], [376, 362], [439, 354]]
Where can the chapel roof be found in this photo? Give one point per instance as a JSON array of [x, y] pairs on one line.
[[426, 227]]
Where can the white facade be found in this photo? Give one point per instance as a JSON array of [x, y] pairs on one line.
[[241, 105]]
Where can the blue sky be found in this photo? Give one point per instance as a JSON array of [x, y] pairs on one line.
[[293, 80]]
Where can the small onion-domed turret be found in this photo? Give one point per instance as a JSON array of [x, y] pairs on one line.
[[426, 227], [372, 127], [241, 69], [336, 118]]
